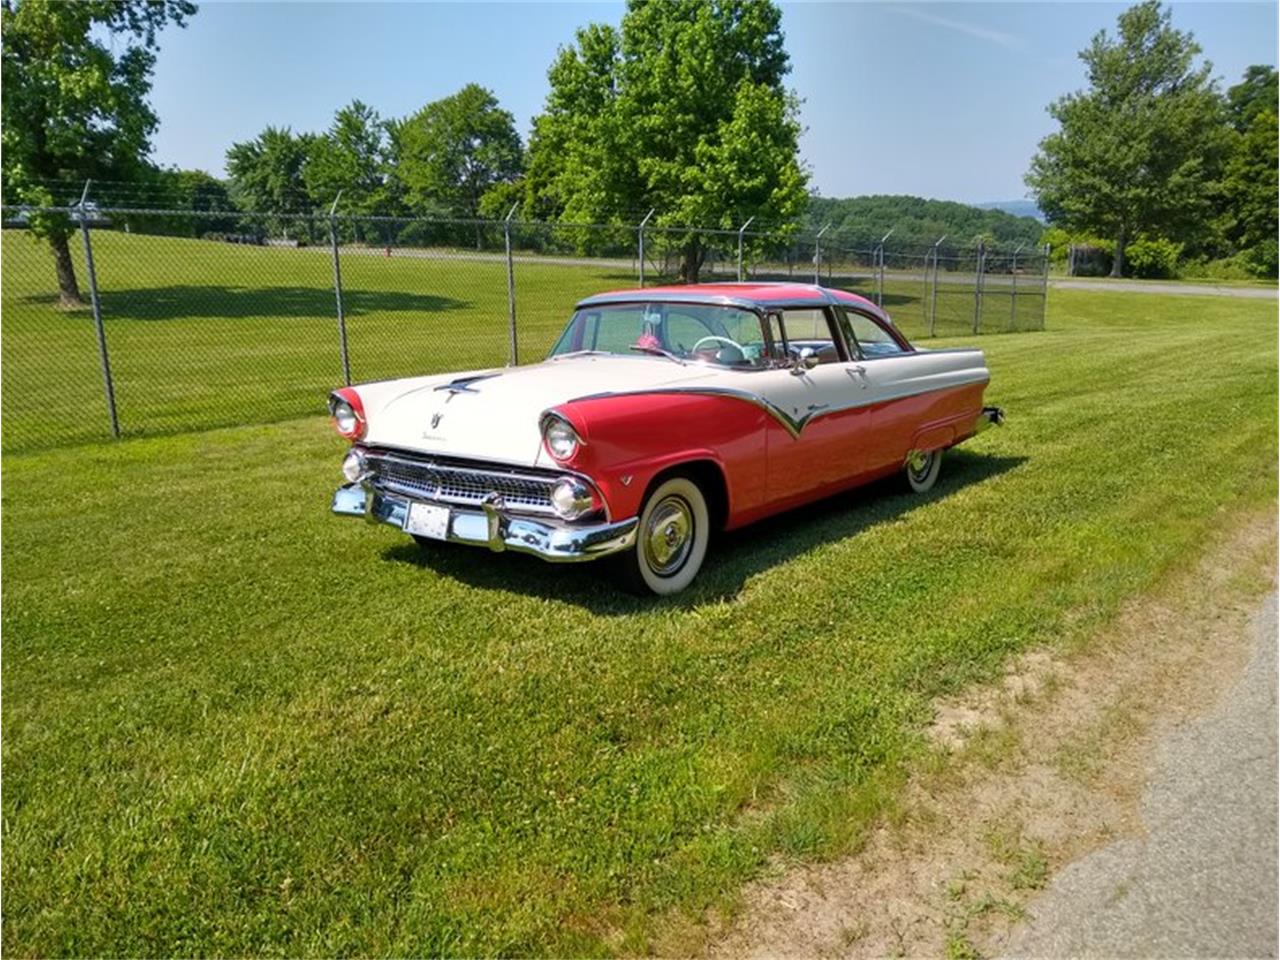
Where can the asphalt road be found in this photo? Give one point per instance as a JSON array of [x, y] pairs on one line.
[[1202, 881]]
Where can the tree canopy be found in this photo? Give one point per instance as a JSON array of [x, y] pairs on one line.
[[683, 109], [74, 100], [1139, 150], [914, 220], [351, 157], [267, 171], [454, 150], [1251, 182]]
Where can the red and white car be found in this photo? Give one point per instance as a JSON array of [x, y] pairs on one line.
[[661, 416]]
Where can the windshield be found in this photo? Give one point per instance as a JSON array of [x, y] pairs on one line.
[[710, 333]]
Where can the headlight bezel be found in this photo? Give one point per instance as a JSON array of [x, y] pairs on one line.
[[347, 413], [561, 440]]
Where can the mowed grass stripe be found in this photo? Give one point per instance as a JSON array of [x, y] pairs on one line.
[[236, 724]]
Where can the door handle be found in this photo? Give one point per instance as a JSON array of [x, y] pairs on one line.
[[860, 372]]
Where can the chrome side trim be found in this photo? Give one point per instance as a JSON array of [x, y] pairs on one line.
[[793, 425], [493, 527]]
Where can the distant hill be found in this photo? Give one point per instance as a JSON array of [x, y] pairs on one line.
[[1019, 208], [916, 221]]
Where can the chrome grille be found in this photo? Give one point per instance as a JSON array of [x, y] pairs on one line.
[[455, 483]]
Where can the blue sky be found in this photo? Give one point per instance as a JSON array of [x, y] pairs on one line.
[[934, 99]]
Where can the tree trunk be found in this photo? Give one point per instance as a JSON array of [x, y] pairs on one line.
[[1117, 261], [691, 264], [68, 290]]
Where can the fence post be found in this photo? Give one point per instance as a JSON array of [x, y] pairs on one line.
[[511, 284], [933, 305], [643, 223], [337, 290], [741, 230], [817, 255], [107, 383], [1044, 288], [1013, 296], [880, 265], [977, 285]]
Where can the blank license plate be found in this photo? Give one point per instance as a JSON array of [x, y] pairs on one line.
[[427, 520]]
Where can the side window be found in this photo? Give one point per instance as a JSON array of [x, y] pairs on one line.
[[743, 327], [809, 328], [873, 340]]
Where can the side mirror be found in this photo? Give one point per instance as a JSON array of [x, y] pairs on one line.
[[805, 361]]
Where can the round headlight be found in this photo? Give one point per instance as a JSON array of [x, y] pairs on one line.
[[571, 498], [345, 418], [561, 438], [354, 466]]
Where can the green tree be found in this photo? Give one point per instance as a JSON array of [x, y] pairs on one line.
[[1250, 184], [1256, 93], [182, 190], [351, 157], [455, 150], [267, 172], [1137, 152], [682, 110], [74, 101]]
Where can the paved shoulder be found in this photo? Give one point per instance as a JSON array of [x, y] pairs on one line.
[[1202, 881]]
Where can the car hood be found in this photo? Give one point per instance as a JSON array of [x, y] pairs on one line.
[[493, 414]]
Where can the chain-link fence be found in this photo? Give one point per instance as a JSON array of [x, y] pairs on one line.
[[184, 320]]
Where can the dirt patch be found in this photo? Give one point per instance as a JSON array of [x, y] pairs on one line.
[[1028, 774]]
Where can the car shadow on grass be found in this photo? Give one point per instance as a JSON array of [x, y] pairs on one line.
[[732, 560]]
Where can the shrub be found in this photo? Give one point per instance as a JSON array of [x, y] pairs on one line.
[[1262, 260], [1153, 257], [1225, 268]]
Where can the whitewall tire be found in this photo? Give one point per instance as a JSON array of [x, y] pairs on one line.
[[922, 471], [671, 539]]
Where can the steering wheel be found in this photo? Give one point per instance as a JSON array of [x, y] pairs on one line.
[[733, 343]]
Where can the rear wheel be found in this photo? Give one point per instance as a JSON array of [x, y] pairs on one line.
[[671, 539], [922, 470]]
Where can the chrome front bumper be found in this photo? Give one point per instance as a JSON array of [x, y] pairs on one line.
[[493, 527]]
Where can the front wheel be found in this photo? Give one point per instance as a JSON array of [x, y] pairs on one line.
[[671, 539], [922, 470]]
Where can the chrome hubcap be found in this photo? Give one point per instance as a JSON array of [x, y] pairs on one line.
[[668, 536], [920, 465]]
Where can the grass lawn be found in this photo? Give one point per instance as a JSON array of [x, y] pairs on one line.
[[204, 334], [234, 724]]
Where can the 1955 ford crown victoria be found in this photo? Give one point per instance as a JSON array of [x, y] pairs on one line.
[[661, 416]]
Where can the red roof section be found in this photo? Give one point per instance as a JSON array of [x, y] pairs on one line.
[[764, 293]]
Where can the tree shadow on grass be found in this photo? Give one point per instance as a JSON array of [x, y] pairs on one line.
[[732, 559], [221, 302]]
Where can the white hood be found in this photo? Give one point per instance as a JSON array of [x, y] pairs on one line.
[[493, 414]]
